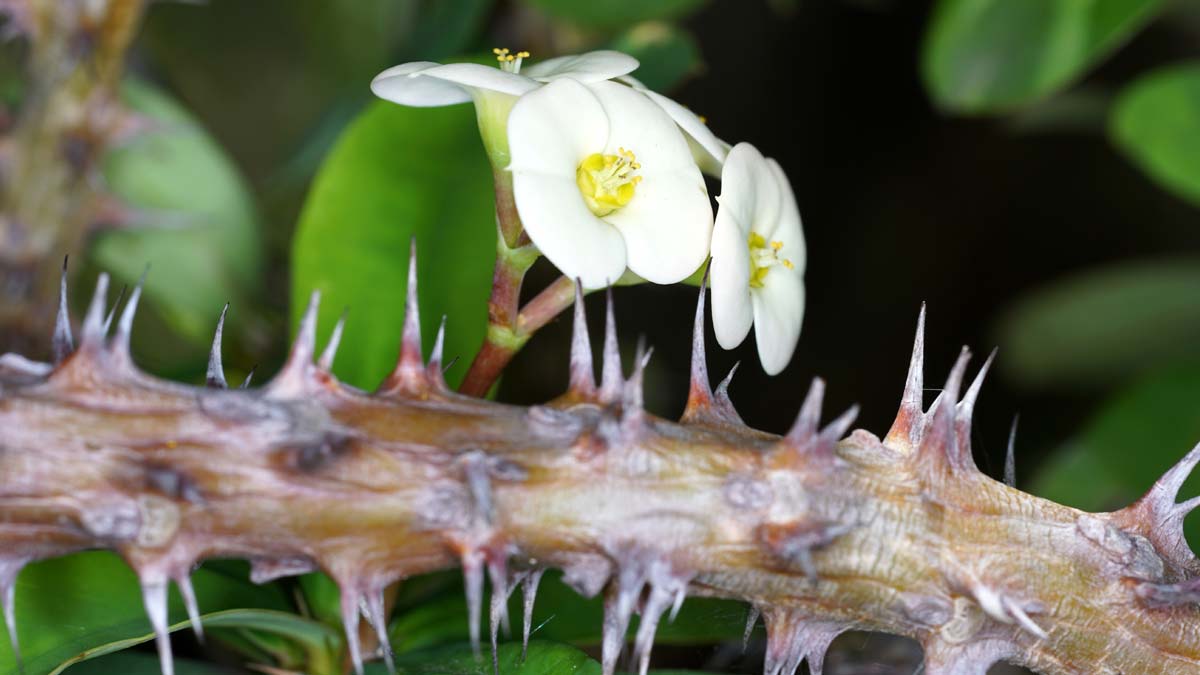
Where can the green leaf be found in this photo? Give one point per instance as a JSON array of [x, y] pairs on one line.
[[140, 663], [668, 53], [1156, 123], [322, 644], [444, 28], [396, 173], [1101, 325], [90, 603], [1129, 443], [201, 234], [989, 55], [616, 13], [544, 658]]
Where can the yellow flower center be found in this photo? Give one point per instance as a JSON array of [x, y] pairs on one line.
[[764, 256], [509, 62], [608, 181]]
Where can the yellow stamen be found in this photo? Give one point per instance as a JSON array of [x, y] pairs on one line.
[[509, 62], [607, 182], [764, 256]]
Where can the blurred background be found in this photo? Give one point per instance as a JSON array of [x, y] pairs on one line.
[[1030, 169]]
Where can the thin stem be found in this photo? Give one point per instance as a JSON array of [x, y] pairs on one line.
[[502, 343], [548, 304]]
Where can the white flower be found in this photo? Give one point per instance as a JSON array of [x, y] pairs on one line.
[[708, 150], [428, 84], [494, 90], [604, 180], [758, 258]]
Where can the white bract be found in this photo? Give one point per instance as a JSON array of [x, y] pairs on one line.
[[494, 90], [758, 258], [604, 180], [429, 84], [708, 150]]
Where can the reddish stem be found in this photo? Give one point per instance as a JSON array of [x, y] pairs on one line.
[[502, 343]]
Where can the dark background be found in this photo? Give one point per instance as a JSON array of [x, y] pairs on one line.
[[902, 204]]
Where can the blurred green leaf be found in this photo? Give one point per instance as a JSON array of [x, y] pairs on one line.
[[1103, 324], [616, 13], [322, 644], [561, 615], [397, 173], [201, 235], [90, 604], [544, 658], [323, 597], [989, 55], [139, 663], [444, 28], [1156, 122], [1129, 443], [668, 53]]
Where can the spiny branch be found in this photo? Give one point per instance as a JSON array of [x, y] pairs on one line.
[[819, 531]]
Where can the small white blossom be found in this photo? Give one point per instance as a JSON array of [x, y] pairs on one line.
[[428, 84], [603, 181], [708, 150], [758, 258]]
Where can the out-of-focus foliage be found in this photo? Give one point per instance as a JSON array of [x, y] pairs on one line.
[[668, 53], [398, 173], [1129, 443], [1156, 122], [1104, 325], [194, 219], [89, 604], [984, 56], [615, 13], [141, 663]]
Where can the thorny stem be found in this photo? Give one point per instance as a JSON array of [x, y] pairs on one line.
[[821, 531], [49, 198]]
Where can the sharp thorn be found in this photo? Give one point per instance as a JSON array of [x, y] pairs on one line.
[[658, 601], [93, 321], [410, 349], [350, 612], [836, 430], [188, 593], [751, 621], [62, 343], [804, 429], [112, 311], [8, 589], [249, 376], [633, 400], [610, 376], [434, 371], [964, 412], [908, 419], [699, 390], [497, 607], [472, 567], [529, 588], [377, 616], [125, 324], [1166, 489], [722, 392], [583, 376], [1010, 459], [215, 376], [325, 362], [154, 597]]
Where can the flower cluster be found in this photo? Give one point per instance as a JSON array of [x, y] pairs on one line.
[[607, 179]]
